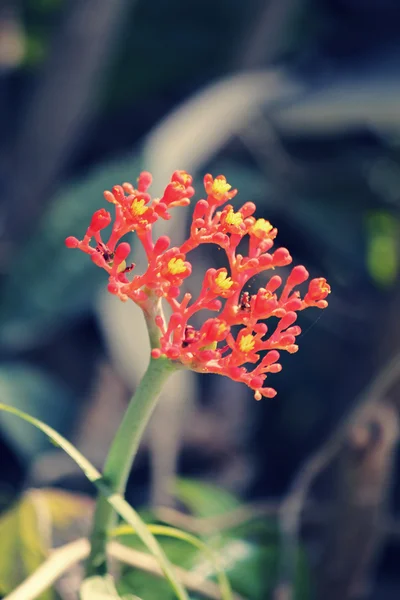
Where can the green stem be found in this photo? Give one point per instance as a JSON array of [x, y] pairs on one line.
[[121, 455]]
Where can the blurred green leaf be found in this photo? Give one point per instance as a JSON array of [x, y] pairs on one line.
[[248, 554], [35, 49], [29, 388], [204, 499], [29, 528], [383, 248], [47, 5], [66, 511], [119, 504], [250, 566], [22, 546], [178, 534], [148, 586], [49, 283], [102, 588]]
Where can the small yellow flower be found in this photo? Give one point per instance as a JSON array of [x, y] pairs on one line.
[[220, 186], [176, 266], [222, 327], [138, 208], [233, 218], [261, 228], [186, 178], [121, 267], [267, 295], [326, 288], [246, 343], [223, 281]]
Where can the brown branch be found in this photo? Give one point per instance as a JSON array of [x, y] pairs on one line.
[[354, 533]]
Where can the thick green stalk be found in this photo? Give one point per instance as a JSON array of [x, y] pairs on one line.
[[121, 455]]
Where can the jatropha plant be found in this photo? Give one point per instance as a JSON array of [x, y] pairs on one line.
[[213, 348], [235, 342]]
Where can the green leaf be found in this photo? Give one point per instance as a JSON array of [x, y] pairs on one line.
[[28, 529], [226, 592], [115, 500], [383, 248], [22, 546], [204, 499], [61, 282], [29, 388], [250, 562], [102, 588], [252, 567], [147, 585], [68, 513]]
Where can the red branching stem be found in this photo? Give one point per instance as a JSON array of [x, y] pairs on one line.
[[214, 347]]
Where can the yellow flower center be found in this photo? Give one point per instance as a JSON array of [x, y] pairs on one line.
[[220, 186], [121, 267], [267, 295], [221, 328], [176, 266], [138, 208], [233, 218], [325, 287], [246, 343], [185, 176], [261, 226], [223, 281]]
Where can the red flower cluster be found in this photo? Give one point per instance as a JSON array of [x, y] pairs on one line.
[[214, 348]]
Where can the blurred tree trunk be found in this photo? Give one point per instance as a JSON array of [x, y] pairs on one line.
[[354, 533], [58, 113], [364, 472]]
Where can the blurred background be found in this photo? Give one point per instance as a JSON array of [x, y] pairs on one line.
[[297, 102]]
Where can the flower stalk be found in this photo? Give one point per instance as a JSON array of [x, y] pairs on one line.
[[121, 455], [235, 343]]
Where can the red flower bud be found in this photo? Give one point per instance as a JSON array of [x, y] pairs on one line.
[[122, 252], [274, 283], [161, 245], [297, 276], [287, 320], [318, 289], [72, 242], [144, 181], [100, 220], [281, 257]]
